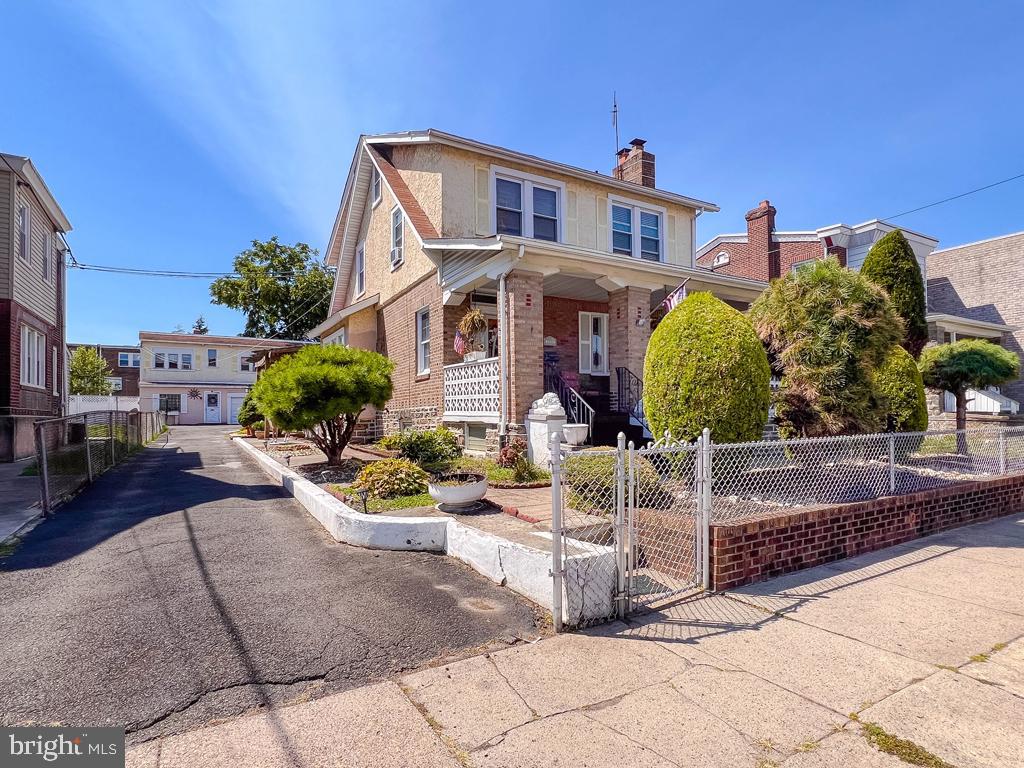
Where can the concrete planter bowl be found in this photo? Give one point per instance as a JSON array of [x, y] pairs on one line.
[[575, 434], [457, 491]]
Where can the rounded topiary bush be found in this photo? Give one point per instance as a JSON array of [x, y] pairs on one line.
[[899, 384], [388, 478], [706, 367]]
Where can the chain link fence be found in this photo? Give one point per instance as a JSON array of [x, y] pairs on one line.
[[71, 451], [630, 526]]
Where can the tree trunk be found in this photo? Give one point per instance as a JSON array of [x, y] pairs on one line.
[[337, 433], [961, 421]]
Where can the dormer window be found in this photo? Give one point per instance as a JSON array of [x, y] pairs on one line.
[[526, 205], [720, 260], [375, 185]]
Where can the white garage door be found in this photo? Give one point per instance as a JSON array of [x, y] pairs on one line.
[[234, 403]]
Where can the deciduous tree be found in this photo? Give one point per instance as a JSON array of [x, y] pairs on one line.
[[88, 372]]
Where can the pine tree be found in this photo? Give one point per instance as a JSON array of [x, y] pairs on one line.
[[892, 266], [199, 327], [88, 372]]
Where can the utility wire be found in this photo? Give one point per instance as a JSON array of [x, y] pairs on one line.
[[954, 197]]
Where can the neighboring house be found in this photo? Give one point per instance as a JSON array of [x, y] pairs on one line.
[[32, 304], [124, 363], [968, 288], [981, 283], [567, 264], [198, 379]]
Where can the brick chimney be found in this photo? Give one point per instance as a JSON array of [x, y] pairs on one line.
[[635, 164], [760, 226]]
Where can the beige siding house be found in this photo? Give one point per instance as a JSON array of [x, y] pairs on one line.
[[566, 264], [198, 379]]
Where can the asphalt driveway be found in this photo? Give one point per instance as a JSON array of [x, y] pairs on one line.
[[184, 588]]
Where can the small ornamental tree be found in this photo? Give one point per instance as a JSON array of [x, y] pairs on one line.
[[705, 367], [963, 365], [249, 412], [324, 389], [891, 265], [828, 329], [88, 372], [899, 386]]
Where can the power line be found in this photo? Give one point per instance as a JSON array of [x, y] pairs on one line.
[[954, 197], [176, 273]]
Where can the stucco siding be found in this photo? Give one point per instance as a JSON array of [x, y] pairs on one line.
[[226, 371], [30, 288]]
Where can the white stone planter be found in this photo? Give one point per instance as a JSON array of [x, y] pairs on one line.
[[475, 355], [453, 498], [575, 434]]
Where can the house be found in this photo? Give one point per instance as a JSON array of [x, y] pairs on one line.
[[124, 363], [974, 292], [961, 301], [566, 264], [198, 379], [32, 304]]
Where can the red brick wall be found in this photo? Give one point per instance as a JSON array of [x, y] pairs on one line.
[[22, 399], [562, 321], [745, 261], [744, 553]]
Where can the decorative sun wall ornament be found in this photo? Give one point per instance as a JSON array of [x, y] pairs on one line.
[[194, 394]]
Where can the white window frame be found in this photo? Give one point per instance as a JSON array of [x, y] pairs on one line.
[[25, 232], [182, 401], [528, 182], [132, 359], [245, 359], [179, 359], [798, 265], [637, 206], [116, 383], [423, 342], [397, 243], [360, 269], [375, 185], [721, 259], [47, 265], [212, 362], [586, 343], [342, 337], [33, 358]]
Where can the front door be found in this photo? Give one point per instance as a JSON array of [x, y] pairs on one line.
[[213, 407]]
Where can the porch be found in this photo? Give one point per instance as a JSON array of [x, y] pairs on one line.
[[556, 327]]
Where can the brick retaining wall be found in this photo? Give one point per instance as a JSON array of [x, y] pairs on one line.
[[744, 553]]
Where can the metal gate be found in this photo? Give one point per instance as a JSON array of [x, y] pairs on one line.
[[629, 527]]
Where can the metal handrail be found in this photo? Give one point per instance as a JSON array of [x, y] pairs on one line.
[[631, 395], [577, 410]]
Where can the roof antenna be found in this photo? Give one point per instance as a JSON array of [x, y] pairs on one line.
[[615, 120]]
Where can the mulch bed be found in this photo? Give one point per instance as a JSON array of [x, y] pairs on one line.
[[323, 473]]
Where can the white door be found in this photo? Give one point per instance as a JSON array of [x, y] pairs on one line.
[[234, 404], [213, 408]]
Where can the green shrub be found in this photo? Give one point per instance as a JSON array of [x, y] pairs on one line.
[[590, 476], [899, 385], [391, 442], [249, 412], [432, 447], [891, 265], [706, 367], [388, 478]]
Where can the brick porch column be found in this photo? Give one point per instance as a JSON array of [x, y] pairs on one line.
[[525, 297], [627, 342]]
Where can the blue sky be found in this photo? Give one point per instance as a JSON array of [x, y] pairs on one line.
[[173, 133]]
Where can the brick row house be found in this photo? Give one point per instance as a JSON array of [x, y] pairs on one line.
[[32, 304], [124, 363], [566, 264], [969, 289]]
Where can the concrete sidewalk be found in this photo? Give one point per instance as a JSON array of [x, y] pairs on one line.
[[916, 648], [19, 498]]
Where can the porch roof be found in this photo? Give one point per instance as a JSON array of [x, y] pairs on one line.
[[968, 325]]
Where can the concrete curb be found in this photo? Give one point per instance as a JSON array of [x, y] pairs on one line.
[[520, 568]]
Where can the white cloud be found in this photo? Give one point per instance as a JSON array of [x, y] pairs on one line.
[[258, 86]]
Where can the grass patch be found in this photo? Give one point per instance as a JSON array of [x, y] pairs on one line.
[[980, 657], [905, 750], [373, 504], [500, 475]]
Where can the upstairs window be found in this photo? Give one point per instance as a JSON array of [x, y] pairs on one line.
[[173, 361], [360, 269], [397, 236], [526, 206], [24, 227], [637, 230], [246, 364], [47, 255], [211, 358], [375, 185], [128, 359]]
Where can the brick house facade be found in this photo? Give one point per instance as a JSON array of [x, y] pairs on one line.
[[567, 265]]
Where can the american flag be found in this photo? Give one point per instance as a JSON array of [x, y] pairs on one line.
[[461, 347], [674, 298]]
